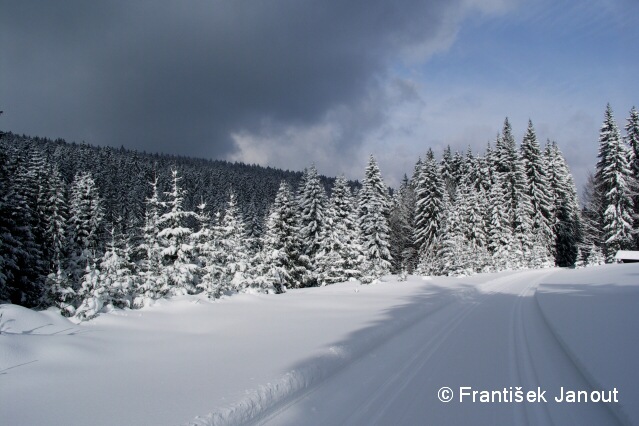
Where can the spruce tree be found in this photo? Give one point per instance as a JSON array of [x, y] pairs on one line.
[[85, 226], [591, 214], [12, 251], [614, 179], [632, 139], [501, 244], [152, 283], [55, 216], [92, 293], [567, 219], [178, 254], [401, 222], [471, 205], [284, 264], [595, 257], [454, 252], [447, 174], [312, 207], [210, 256], [232, 241], [508, 164], [117, 273], [373, 220], [538, 189], [340, 255], [430, 193]]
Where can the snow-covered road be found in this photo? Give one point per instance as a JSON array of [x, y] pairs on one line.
[[491, 337]]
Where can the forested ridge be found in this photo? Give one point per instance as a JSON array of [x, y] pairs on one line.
[[90, 228]]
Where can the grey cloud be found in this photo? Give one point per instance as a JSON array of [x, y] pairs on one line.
[[182, 77]]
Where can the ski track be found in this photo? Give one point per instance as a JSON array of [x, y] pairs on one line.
[[273, 398], [522, 365], [532, 348], [534, 356], [269, 401]]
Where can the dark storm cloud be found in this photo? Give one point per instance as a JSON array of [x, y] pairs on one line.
[[181, 76]]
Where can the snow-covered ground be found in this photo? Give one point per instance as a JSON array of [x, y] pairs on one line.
[[342, 354]]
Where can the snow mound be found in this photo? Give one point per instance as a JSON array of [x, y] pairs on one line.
[[16, 319], [17, 323]]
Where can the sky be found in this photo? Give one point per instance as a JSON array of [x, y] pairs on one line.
[[288, 83]]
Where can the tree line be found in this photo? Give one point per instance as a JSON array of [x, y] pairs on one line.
[[120, 233]]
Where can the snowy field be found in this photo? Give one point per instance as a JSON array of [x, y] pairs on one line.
[[342, 354]]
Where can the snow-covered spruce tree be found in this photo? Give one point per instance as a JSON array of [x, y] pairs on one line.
[[613, 177], [10, 252], [152, 283], [455, 256], [117, 273], [517, 202], [55, 215], [591, 215], [312, 209], [85, 227], [538, 190], [430, 193], [567, 220], [501, 244], [92, 293], [32, 184], [471, 204], [254, 228], [30, 269], [209, 254], [61, 293], [632, 139], [178, 256], [458, 170], [18, 248], [483, 173], [284, 264], [580, 262], [595, 257], [446, 168], [232, 241], [340, 255], [401, 222], [505, 154], [373, 220]]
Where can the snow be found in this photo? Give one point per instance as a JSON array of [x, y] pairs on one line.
[[593, 312], [341, 354], [627, 255]]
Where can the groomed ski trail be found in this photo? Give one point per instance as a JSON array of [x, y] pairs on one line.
[[492, 336]]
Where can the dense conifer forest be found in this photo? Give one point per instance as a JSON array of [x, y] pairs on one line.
[[89, 228]]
